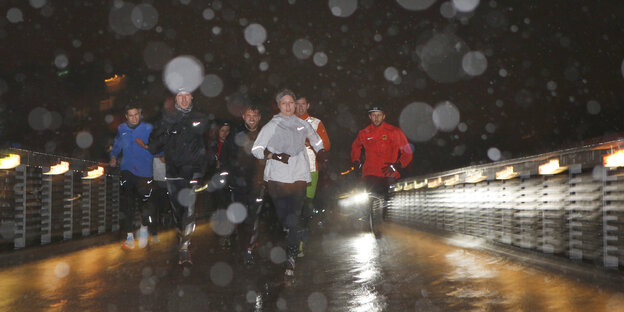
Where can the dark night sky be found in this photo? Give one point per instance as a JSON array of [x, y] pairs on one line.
[[554, 75]]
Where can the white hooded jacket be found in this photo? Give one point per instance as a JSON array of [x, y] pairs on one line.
[[284, 134]]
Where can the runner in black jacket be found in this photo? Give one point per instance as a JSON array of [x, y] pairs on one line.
[[180, 134]]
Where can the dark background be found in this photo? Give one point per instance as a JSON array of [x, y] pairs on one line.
[[576, 45]]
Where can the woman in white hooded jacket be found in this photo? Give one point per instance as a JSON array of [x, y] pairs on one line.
[[282, 143]]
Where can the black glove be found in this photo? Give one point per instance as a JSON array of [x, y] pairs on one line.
[[322, 156], [390, 169], [283, 157]]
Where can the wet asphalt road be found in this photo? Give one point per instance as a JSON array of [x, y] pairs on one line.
[[344, 269]]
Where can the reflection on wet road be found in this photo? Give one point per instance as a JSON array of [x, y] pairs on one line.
[[405, 270]]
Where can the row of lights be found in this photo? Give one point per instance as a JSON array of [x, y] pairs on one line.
[[552, 167], [13, 160]]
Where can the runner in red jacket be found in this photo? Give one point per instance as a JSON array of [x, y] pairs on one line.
[[386, 150]]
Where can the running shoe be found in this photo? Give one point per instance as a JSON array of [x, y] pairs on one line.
[[290, 266], [128, 244], [249, 258], [300, 254], [185, 257]]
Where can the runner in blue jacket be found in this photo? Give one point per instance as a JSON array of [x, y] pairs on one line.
[[136, 174]]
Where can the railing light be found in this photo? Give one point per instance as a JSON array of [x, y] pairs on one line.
[[614, 160], [551, 167], [475, 177], [58, 169], [507, 173], [419, 185], [10, 162], [435, 183], [408, 186], [452, 181], [95, 173]]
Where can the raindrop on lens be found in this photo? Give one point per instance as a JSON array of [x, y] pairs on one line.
[[474, 63], [14, 15], [281, 304], [317, 302], [320, 59], [39, 118], [342, 8], [208, 14], [446, 116], [211, 86], [183, 72], [37, 4], [593, 107], [120, 19], [144, 16], [391, 74], [447, 10], [84, 139], [220, 224], [462, 127], [236, 212], [416, 5], [494, 154], [221, 274], [416, 121], [186, 196], [264, 66], [302, 49], [61, 61], [61, 269], [255, 34], [277, 255], [465, 5], [251, 296]]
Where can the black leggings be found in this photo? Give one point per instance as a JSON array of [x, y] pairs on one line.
[[182, 197], [133, 188], [288, 201]]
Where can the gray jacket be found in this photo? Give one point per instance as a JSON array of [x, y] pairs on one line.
[[287, 135]]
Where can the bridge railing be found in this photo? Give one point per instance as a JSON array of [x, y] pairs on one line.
[[46, 198], [574, 209]]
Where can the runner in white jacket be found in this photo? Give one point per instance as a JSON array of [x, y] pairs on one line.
[[282, 142]]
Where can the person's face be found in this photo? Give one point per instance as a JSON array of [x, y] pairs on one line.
[[223, 132], [287, 105], [377, 118], [301, 106], [133, 116], [251, 118], [184, 100]]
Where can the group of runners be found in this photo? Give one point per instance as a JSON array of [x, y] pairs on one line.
[[281, 159]]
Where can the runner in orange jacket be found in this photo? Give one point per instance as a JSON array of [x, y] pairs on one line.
[[386, 151]]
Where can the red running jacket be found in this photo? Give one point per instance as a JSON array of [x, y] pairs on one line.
[[382, 145]]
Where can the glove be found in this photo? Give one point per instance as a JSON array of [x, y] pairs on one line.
[[390, 169], [322, 156], [283, 157]]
